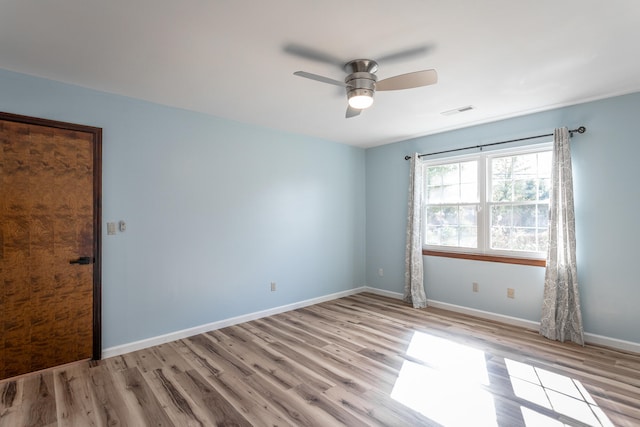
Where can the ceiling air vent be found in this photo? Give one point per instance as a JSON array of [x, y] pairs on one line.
[[458, 110]]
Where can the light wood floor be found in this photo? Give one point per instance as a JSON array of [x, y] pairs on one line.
[[360, 360]]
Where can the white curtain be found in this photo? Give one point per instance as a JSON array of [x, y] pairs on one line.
[[561, 317], [413, 273]]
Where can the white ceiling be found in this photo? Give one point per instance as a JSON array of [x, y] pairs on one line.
[[227, 58]]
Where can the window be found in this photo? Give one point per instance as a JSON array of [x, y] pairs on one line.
[[494, 203]]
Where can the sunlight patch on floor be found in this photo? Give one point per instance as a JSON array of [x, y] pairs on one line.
[[464, 362], [449, 383], [452, 373], [441, 400], [559, 393]]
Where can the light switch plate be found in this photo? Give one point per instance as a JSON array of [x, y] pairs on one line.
[[111, 228]]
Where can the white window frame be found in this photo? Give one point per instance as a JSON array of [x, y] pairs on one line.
[[483, 217]]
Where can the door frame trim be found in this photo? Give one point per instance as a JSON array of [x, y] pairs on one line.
[[97, 212]]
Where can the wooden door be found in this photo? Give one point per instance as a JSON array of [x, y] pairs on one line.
[[49, 244]]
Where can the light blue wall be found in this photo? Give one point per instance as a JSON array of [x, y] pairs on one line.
[[215, 209], [607, 203]]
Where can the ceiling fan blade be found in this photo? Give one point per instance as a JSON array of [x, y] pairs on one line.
[[315, 55], [320, 78], [407, 53], [352, 112], [409, 80]]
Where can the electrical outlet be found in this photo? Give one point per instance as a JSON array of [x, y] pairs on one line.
[[380, 272], [475, 286], [273, 286], [511, 293]]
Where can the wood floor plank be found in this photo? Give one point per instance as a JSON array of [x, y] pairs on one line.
[[307, 322], [177, 402], [221, 412], [359, 360], [111, 409], [233, 387], [329, 409], [205, 344], [11, 398], [74, 396], [143, 395], [160, 370], [379, 375], [274, 365], [332, 372], [39, 400]]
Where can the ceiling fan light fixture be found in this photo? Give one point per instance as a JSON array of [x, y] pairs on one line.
[[360, 98]]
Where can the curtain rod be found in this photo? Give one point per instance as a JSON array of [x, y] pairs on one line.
[[581, 129]]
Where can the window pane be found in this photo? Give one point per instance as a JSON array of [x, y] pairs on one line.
[[543, 239], [502, 191], [442, 235], [442, 215], [519, 227], [501, 215], [469, 182], [524, 239], [469, 171], [544, 186], [436, 174], [434, 215], [500, 237], [523, 177], [525, 190], [524, 216], [449, 236], [544, 164], [543, 216], [451, 174], [434, 195], [452, 225], [468, 215], [500, 224], [468, 237], [525, 166], [469, 192], [450, 215], [433, 235], [452, 183], [451, 193], [501, 168]]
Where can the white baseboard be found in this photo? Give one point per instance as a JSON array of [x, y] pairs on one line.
[[382, 292], [509, 320], [623, 345], [172, 336], [465, 310], [184, 333], [516, 321]]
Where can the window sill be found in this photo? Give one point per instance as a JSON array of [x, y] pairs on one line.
[[488, 258]]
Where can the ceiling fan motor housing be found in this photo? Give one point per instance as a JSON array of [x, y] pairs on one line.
[[361, 84], [361, 81]]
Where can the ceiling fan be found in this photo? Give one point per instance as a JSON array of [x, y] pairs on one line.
[[361, 82]]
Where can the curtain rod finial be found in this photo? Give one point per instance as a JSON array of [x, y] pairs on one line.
[[581, 130], [407, 157]]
